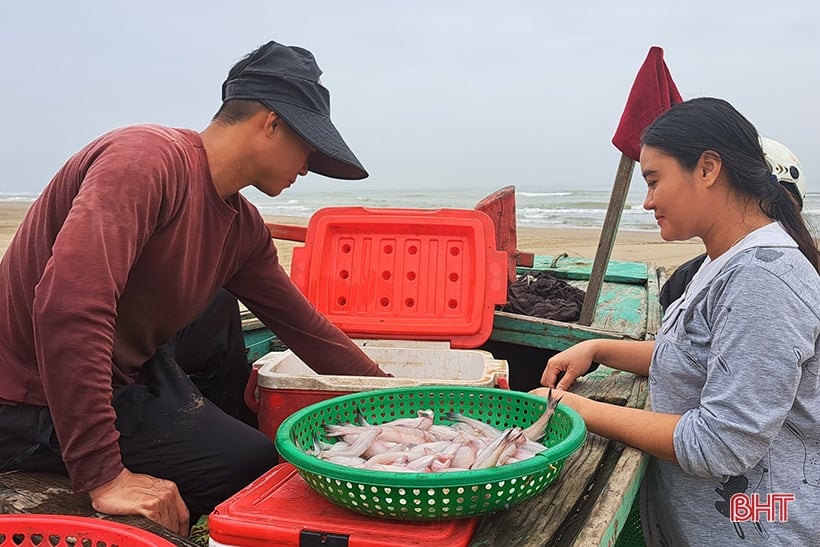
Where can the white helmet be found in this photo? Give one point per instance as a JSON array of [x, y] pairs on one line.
[[784, 165]]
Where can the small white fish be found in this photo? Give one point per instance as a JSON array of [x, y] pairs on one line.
[[423, 421], [349, 461], [489, 456], [387, 458], [364, 441], [478, 426], [537, 430], [380, 447], [464, 457], [419, 445], [421, 463], [441, 463]]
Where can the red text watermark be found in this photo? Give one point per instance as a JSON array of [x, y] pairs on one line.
[[745, 507]]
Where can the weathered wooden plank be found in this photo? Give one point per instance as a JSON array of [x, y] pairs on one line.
[[535, 521], [500, 207], [41, 493], [618, 481], [572, 526], [567, 267], [621, 314], [613, 504], [50, 493], [544, 333], [621, 308], [607, 240], [654, 313], [555, 516], [289, 232], [260, 342]]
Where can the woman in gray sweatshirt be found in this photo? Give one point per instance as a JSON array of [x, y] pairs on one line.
[[734, 425]]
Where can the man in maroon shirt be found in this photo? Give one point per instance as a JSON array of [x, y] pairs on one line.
[[120, 344]]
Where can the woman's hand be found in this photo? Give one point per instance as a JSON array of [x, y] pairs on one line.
[[652, 432], [568, 365], [627, 355]]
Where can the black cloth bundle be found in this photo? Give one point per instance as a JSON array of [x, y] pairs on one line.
[[539, 294]]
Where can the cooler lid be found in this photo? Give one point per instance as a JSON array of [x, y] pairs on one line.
[[407, 274], [279, 508]]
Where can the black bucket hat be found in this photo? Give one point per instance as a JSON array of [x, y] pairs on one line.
[[286, 80]]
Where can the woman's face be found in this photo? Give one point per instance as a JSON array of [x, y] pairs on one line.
[[670, 194]]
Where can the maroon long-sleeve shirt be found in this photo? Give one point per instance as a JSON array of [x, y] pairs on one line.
[[125, 246]]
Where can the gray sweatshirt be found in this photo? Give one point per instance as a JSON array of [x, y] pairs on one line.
[[740, 364]]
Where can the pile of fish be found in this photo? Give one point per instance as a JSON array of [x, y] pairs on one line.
[[419, 445]]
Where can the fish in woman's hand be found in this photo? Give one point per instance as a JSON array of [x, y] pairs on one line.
[[536, 431], [419, 445]]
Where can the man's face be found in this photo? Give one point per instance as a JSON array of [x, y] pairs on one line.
[[282, 157]]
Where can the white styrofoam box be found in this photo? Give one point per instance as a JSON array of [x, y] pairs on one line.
[[411, 362]]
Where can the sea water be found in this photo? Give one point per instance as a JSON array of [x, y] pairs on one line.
[[548, 209], [552, 209]]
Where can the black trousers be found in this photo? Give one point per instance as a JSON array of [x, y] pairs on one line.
[[187, 423]]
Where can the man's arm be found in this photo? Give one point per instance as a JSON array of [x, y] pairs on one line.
[[307, 332], [266, 289], [74, 313]]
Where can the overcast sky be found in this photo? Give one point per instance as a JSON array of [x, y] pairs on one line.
[[428, 94]]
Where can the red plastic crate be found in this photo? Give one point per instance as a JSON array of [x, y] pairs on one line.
[[408, 274], [280, 509], [32, 530], [395, 275]]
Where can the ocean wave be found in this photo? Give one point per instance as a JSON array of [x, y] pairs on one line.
[[542, 194], [551, 209], [18, 196]]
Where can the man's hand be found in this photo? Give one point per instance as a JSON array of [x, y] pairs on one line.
[[134, 494]]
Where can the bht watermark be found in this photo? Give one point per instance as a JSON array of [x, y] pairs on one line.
[[746, 507]]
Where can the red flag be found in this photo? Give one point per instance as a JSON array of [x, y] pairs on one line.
[[652, 94]]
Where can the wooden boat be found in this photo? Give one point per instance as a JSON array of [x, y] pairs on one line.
[[591, 499], [587, 504]]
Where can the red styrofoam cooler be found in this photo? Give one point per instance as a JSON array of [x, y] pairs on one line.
[[280, 509], [416, 288]]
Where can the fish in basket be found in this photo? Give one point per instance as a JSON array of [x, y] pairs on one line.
[[421, 445], [432, 494]]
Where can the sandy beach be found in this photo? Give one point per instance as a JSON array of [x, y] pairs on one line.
[[629, 245]]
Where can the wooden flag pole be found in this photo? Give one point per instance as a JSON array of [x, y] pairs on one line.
[[610, 229], [652, 94]]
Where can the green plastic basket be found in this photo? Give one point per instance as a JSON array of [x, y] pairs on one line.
[[431, 496]]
